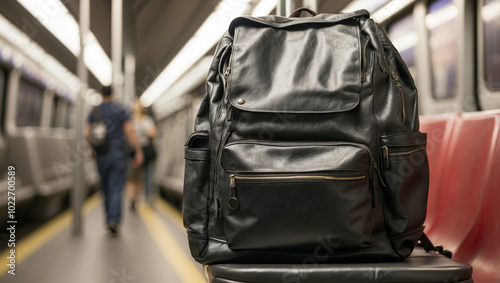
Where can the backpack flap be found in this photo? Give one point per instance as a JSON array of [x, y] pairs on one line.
[[319, 71]]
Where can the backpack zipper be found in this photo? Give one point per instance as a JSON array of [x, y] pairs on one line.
[[227, 73], [233, 202], [233, 178], [373, 164], [387, 154], [400, 89], [363, 74]]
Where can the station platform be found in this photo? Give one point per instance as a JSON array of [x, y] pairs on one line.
[[151, 246]]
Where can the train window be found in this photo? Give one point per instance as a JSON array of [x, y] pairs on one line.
[[68, 124], [55, 107], [441, 22], [405, 38], [490, 15], [29, 104]]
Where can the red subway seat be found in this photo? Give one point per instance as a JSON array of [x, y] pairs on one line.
[[439, 129], [464, 179], [481, 247], [463, 211]]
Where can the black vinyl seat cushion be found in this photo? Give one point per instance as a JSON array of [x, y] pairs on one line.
[[421, 266]]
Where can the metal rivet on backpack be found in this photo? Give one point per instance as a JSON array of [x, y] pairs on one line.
[[241, 101]]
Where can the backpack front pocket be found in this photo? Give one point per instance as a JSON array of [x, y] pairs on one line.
[[295, 195]]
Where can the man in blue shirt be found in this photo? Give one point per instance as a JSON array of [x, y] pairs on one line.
[[112, 162]]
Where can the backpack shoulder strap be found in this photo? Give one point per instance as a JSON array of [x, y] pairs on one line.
[[426, 243], [96, 114]]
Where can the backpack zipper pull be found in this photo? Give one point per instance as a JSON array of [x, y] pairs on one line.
[[385, 152], [226, 76], [227, 73], [232, 181], [363, 73], [233, 202], [400, 89]]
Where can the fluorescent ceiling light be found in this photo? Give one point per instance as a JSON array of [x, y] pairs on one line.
[[406, 41], [441, 16], [192, 78], [18, 45], [96, 60], [390, 9], [54, 16], [264, 8], [175, 96], [369, 5]]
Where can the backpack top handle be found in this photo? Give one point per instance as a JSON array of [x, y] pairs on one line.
[[296, 13]]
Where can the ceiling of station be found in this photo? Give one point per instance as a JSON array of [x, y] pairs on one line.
[[154, 30]]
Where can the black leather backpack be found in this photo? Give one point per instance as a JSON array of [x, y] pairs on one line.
[[306, 145]]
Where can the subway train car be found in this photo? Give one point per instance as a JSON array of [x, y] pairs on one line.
[[451, 47], [37, 131]]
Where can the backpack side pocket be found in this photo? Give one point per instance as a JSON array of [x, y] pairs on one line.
[[196, 191], [406, 174]]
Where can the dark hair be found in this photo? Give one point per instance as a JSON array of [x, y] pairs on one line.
[[107, 90]]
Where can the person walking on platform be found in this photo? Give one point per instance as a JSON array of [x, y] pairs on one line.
[[145, 129], [112, 158]]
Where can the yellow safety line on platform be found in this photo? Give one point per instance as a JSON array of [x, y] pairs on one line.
[[170, 212], [166, 242], [37, 239]]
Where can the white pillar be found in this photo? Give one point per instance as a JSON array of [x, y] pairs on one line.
[[129, 84], [116, 48], [289, 7], [285, 8], [79, 186]]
